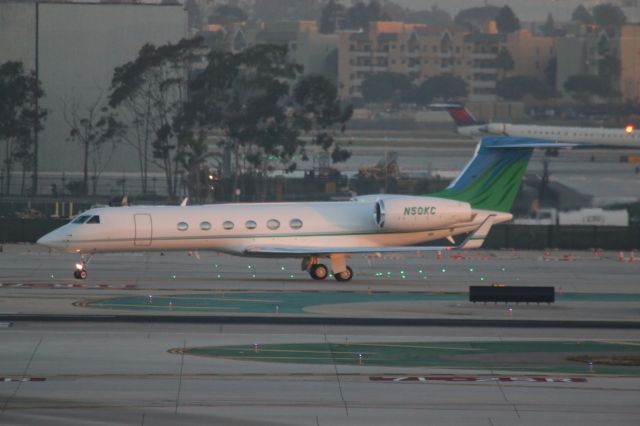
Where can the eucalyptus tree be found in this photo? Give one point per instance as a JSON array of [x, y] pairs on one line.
[[96, 129], [150, 93], [21, 118], [248, 98]]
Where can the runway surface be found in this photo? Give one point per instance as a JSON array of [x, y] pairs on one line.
[[292, 373]]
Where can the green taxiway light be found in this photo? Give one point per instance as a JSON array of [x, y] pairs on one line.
[[481, 278], [173, 276], [253, 275], [471, 269], [503, 269], [219, 276], [249, 266], [291, 276], [282, 268], [420, 271], [444, 269]]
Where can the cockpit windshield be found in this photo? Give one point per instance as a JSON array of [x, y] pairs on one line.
[[86, 218], [81, 219], [94, 219]]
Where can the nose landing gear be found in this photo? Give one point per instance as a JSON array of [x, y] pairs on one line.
[[81, 269], [80, 274]]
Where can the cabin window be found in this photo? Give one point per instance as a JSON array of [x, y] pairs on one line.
[[273, 224], [94, 219], [183, 226], [250, 224], [227, 224], [205, 226], [295, 224], [81, 219]]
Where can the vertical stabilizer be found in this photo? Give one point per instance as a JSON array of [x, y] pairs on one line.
[[492, 179]]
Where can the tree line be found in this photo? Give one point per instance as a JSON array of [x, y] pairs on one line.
[[256, 101]]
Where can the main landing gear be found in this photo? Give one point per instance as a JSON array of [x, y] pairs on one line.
[[318, 271]]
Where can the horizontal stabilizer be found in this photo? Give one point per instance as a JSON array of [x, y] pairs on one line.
[[476, 238]]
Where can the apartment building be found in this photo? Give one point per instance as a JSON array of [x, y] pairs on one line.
[[421, 52], [591, 50], [630, 62]]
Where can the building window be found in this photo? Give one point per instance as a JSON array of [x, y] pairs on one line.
[[250, 224], [227, 224], [205, 226], [295, 224], [273, 224], [183, 226]]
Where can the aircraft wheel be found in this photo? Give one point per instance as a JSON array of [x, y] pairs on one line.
[[80, 274], [344, 275], [318, 271]]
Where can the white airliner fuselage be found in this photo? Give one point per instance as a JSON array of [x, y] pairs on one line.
[[591, 135]]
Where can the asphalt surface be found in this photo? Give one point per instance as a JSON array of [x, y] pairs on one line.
[[165, 364]]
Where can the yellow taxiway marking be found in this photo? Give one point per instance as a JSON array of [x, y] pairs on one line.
[[259, 358], [418, 347], [226, 299], [153, 305], [623, 343], [307, 351]]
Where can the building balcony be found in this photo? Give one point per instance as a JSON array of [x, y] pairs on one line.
[[483, 84], [484, 55], [485, 69]]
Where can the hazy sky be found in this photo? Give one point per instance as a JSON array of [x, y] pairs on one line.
[[526, 10]]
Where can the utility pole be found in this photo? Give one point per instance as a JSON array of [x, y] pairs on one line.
[[36, 124]]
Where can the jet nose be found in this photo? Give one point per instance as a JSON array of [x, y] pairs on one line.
[[45, 240], [52, 240]]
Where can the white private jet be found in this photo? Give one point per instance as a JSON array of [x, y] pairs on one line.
[[480, 197], [467, 125]]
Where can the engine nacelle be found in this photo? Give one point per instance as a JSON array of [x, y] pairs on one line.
[[497, 128], [406, 213]]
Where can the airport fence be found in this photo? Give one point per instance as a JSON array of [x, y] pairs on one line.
[[525, 237]]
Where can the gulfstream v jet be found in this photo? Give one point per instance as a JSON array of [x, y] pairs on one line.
[[480, 197]]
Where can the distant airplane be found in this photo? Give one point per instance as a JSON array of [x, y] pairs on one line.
[[480, 197], [469, 126]]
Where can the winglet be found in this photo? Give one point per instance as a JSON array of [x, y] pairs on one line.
[[184, 202], [476, 238]]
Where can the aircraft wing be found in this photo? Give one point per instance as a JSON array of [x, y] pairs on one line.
[[283, 250], [473, 240]]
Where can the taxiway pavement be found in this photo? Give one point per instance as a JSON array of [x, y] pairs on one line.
[[78, 373]]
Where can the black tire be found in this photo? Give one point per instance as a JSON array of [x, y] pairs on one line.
[[344, 275], [76, 274], [319, 272]]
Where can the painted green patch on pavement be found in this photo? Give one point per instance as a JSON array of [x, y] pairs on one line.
[[296, 302], [521, 356]]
